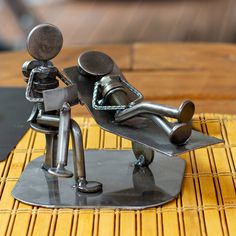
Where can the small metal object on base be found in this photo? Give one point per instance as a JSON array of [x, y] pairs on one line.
[[125, 185], [143, 154]]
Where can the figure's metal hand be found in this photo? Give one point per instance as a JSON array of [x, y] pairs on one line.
[[63, 78], [28, 92]]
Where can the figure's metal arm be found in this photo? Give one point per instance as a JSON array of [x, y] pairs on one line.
[[28, 91], [66, 81], [63, 78]]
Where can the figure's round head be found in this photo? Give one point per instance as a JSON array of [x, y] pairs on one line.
[[44, 42]]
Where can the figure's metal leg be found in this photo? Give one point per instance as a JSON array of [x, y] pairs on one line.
[[183, 114], [178, 133], [50, 156], [51, 137], [79, 164], [63, 143]]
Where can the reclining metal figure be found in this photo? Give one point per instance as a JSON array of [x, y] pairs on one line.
[[111, 93], [119, 108], [52, 106]]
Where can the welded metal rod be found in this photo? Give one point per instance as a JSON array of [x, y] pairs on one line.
[[51, 139], [50, 156], [79, 165], [178, 133], [63, 134], [183, 114], [78, 151], [63, 143], [48, 120]]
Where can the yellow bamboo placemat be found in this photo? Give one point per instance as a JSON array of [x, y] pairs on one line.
[[206, 205]]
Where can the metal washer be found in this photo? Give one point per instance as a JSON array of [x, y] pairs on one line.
[[95, 63], [44, 42]]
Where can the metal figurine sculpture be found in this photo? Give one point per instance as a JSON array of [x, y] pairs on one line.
[[117, 107], [52, 106], [110, 93]]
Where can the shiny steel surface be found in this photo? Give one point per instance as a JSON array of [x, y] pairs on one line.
[[44, 42], [49, 120], [51, 135], [63, 143], [78, 151], [124, 185], [178, 133], [81, 182], [55, 98], [183, 114], [112, 97], [113, 93], [138, 129], [94, 63], [143, 154]]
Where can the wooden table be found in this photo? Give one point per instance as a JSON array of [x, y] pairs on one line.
[[166, 73]]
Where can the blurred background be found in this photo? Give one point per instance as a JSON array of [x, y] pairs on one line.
[[98, 22]]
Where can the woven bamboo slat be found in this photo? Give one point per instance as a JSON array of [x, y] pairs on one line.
[[206, 205]]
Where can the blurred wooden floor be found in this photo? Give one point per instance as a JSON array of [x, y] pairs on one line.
[[165, 73], [89, 22]]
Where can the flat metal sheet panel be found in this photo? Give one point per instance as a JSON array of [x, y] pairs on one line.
[[14, 112], [55, 98], [138, 129], [124, 186]]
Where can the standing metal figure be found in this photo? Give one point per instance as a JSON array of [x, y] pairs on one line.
[[52, 113]]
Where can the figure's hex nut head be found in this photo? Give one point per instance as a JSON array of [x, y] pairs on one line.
[[109, 84], [44, 42]]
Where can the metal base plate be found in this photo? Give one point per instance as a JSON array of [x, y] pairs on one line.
[[124, 185]]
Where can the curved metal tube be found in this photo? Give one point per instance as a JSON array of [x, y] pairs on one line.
[[78, 151], [183, 114], [63, 143], [82, 184], [63, 134]]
